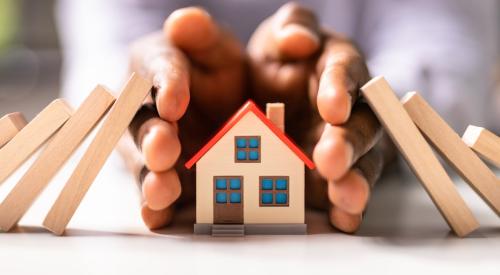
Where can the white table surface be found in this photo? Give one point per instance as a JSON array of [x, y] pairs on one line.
[[402, 232]]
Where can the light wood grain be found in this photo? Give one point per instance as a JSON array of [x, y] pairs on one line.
[[32, 136], [483, 142], [96, 155], [419, 156], [52, 158], [454, 150], [10, 125]]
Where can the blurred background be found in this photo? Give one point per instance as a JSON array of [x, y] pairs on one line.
[[31, 57]]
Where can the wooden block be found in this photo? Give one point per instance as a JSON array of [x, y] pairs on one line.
[[99, 150], [419, 156], [32, 136], [454, 150], [483, 142], [58, 151], [10, 125]]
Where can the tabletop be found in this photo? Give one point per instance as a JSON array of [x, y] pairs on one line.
[[402, 232]]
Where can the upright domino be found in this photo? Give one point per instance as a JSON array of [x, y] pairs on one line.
[[32, 136], [419, 156], [453, 149], [483, 142], [10, 125], [99, 150], [52, 158]]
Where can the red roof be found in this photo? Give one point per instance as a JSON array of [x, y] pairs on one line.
[[250, 106]]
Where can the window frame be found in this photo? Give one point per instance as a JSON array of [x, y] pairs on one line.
[[228, 189], [274, 191], [247, 150]]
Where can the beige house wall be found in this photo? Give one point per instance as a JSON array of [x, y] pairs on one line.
[[276, 160]]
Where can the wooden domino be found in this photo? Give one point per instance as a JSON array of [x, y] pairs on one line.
[[32, 136], [483, 142], [114, 126], [10, 125], [453, 149], [52, 158], [419, 156]]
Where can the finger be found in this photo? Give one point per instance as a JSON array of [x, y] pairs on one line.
[[217, 75], [157, 139], [168, 68], [340, 146], [342, 72], [344, 221], [155, 219], [194, 31], [292, 33], [352, 192], [161, 189]]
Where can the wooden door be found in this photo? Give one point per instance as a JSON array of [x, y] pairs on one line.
[[228, 199]]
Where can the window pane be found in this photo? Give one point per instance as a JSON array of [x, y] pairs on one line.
[[220, 197], [235, 197], [254, 155], [235, 184], [241, 142], [242, 155], [267, 198], [267, 184], [220, 184], [281, 184], [281, 198], [253, 143]]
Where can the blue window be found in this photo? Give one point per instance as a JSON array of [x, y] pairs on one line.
[[274, 191], [241, 142], [253, 142], [235, 197], [227, 189], [220, 197], [247, 148], [235, 184], [267, 198], [281, 198], [281, 184], [267, 184], [253, 155], [241, 155], [220, 184]]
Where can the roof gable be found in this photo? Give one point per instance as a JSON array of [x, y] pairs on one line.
[[250, 106]]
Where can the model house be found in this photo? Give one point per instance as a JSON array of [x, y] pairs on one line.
[[250, 177]]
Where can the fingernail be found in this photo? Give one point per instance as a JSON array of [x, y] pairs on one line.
[[299, 30]]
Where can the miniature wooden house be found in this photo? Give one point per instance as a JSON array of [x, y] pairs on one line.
[[250, 177]]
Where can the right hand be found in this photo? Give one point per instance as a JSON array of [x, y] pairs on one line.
[[198, 73]]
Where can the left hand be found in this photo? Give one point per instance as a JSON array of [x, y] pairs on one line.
[[317, 74]]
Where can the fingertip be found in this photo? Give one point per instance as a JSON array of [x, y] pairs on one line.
[[191, 29], [155, 219], [333, 156], [160, 145], [160, 190], [173, 98], [344, 221], [297, 41], [350, 193], [333, 100]]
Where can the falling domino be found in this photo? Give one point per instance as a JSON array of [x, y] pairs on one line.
[[453, 149], [59, 149], [10, 125], [419, 156], [32, 136], [483, 142], [99, 150]]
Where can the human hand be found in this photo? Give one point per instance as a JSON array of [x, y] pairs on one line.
[[318, 73], [198, 72]]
